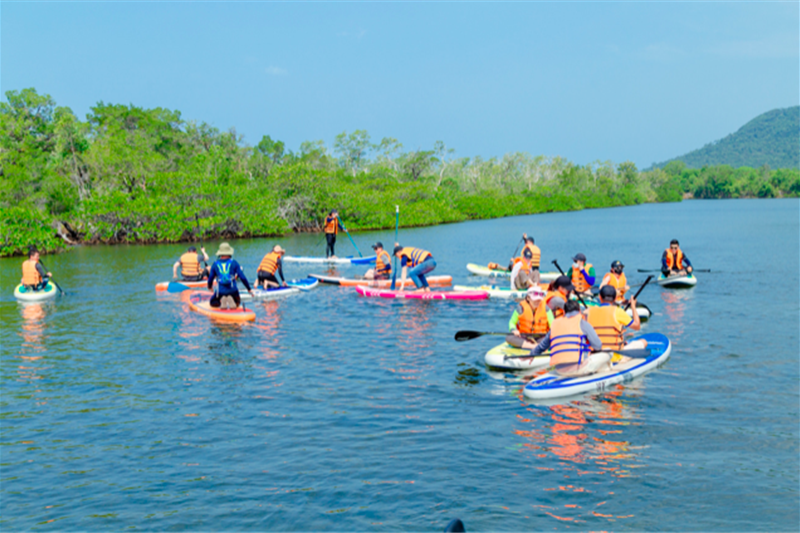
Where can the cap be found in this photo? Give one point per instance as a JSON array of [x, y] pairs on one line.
[[556, 302], [527, 253], [536, 293], [565, 282], [277, 248], [397, 248], [607, 291], [617, 264], [191, 249], [378, 244], [579, 257]]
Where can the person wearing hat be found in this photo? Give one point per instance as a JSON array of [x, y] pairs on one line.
[[571, 340], [270, 265], [582, 274], [224, 272], [523, 274], [383, 264], [616, 278], [558, 295], [610, 321], [332, 227], [673, 262], [421, 263], [530, 321], [189, 263]]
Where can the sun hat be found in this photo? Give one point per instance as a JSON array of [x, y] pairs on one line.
[[536, 293], [277, 248], [225, 249]]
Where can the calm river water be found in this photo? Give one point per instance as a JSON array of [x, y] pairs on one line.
[[121, 409]]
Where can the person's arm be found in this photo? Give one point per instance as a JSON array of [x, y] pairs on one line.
[[543, 346], [175, 269], [688, 266], [514, 273], [664, 266], [42, 272], [512, 324], [605, 281], [403, 274], [280, 270], [205, 255], [589, 276], [627, 322], [550, 317], [239, 271], [212, 274], [591, 336]]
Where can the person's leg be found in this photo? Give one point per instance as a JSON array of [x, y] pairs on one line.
[[413, 275], [214, 302], [427, 266], [271, 282], [535, 277], [237, 298]]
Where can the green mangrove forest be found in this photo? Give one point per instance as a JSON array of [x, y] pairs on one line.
[[133, 175]]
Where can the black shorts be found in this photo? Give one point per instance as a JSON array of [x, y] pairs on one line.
[[214, 302], [266, 276]]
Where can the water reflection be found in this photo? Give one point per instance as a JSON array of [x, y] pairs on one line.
[[675, 307], [33, 326]]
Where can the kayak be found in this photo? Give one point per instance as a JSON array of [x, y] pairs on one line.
[[677, 282], [270, 294], [202, 284], [553, 385], [25, 295], [350, 260], [642, 310], [305, 284], [506, 357], [479, 270], [199, 302], [413, 295], [435, 281]]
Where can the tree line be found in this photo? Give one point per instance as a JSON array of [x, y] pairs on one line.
[[129, 174]]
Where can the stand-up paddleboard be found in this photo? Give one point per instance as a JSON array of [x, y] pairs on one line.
[[414, 295], [496, 291], [270, 294], [24, 295], [199, 302], [434, 281], [479, 270], [506, 357], [305, 284], [350, 260], [202, 284], [553, 385], [677, 282], [641, 309]]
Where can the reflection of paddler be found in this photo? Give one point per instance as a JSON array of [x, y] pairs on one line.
[[272, 264], [225, 271], [421, 263], [616, 279], [189, 263], [332, 227], [531, 320], [383, 264], [610, 321], [571, 340], [34, 275]]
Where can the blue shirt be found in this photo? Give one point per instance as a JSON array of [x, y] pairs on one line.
[[234, 271]]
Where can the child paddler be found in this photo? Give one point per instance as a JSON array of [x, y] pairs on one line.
[[34, 275], [383, 264], [225, 271], [531, 320], [190, 265], [419, 261]]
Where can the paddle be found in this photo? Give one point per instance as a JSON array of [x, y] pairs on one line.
[[202, 243], [638, 292], [51, 280], [351, 240], [174, 287], [468, 335], [555, 262], [394, 257]]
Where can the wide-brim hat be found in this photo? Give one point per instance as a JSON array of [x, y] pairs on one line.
[[225, 249], [277, 248]]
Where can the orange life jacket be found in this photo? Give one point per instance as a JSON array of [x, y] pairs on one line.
[[568, 344], [414, 256], [552, 294], [618, 282], [526, 265], [537, 254], [30, 276], [674, 261], [383, 263], [332, 225], [270, 263], [603, 320], [190, 266], [578, 281], [533, 322]]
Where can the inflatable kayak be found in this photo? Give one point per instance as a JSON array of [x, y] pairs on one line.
[[625, 369], [270, 294], [506, 357], [414, 295], [434, 281], [350, 260], [199, 302], [677, 282], [202, 284], [25, 295], [479, 270]]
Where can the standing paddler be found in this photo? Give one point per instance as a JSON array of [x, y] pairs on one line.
[[421, 263], [332, 227], [225, 271]]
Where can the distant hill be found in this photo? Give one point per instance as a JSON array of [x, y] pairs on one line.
[[772, 138]]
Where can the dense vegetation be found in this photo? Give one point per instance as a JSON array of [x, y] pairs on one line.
[[772, 138], [128, 174]]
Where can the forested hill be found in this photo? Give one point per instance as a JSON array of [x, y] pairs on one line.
[[772, 138]]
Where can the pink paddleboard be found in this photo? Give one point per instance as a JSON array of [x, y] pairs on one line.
[[412, 295]]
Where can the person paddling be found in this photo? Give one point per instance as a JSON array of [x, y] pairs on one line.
[[616, 279], [530, 321], [571, 340], [582, 274], [190, 265], [332, 227], [270, 265], [610, 321], [524, 274], [673, 262], [421, 263], [383, 264], [34, 276], [536, 257], [225, 271]]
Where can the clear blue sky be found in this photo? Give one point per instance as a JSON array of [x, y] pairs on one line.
[[588, 81]]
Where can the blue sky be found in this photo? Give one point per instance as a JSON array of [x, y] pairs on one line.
[[587, 81]]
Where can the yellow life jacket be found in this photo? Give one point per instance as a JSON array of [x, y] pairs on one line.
[[190, 266], [568, 344], [270, 263], [414, 256], [603, 320], [383, 263], [537, 254], [30, 276]]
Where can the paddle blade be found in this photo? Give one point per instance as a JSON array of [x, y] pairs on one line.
[[174, 287], [468, 335]]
